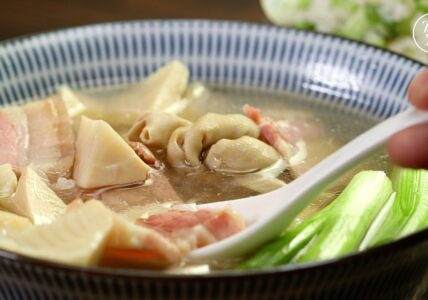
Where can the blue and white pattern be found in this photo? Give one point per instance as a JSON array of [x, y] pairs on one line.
[[330, 69], [238, 54]]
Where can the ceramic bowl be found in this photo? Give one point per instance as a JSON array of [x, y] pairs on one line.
[[327, 68]]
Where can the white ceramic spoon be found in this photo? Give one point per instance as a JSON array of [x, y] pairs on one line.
[[268, 214]]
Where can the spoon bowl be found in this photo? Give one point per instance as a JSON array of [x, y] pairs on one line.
[[267, 215]]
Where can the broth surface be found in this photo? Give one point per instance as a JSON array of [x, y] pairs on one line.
[[323, 126], [327, 127]]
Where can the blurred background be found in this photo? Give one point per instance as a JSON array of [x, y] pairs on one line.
[[384, 23], [23, 16]]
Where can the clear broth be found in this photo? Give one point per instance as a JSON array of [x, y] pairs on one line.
[[325, 127]]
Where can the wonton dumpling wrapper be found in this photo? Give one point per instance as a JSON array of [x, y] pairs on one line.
[[159, 91], [8, 183], [265, 180], [103, 158], [154, 129], [77, 237], [243, 155], [208, 130], [35, 200], [175, 154]]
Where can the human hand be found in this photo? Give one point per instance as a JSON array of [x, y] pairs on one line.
[[409, 147]]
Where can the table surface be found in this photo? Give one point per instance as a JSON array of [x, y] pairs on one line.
[[20, 17]]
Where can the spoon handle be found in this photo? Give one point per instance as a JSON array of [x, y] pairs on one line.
[[324, 173], [272, 212], [304, 189]]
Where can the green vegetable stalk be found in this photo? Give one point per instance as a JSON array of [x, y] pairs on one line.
[[409, 212], [336, 230]]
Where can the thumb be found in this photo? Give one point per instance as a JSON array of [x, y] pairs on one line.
[[418, 90]]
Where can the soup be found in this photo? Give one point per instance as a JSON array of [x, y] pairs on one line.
[[127, 166]]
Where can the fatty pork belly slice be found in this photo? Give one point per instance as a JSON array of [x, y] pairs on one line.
[[190, 229], [38, 133], [131, 245], [51, 136], [13, 137]]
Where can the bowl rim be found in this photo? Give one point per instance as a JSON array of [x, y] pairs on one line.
[[21, 38], [400, 243]]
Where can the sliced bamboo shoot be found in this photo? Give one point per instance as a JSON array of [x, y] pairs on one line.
[[164, 88], [77, 237], [72, 103], [10, 223], [35, 200], [161, 91], [103, 158], [8, 183]]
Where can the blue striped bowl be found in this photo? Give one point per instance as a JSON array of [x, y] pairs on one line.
[[342, 72]]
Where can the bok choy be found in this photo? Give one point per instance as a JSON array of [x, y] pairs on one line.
[[409, 211], [336, 230]]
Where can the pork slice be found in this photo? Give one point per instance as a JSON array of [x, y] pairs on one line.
[[145, 154], [194, 229], [130, 245], [39, 133], [51, 146], [13, 137]]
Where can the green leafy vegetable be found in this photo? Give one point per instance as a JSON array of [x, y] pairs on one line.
[[409, 212], [356, 26], [379, 22], [336, 230]]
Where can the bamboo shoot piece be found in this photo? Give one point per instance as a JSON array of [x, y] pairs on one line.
[[160, 91], [8, 183], [35, 200], [103, 158], [77, 237], [10, 222]]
